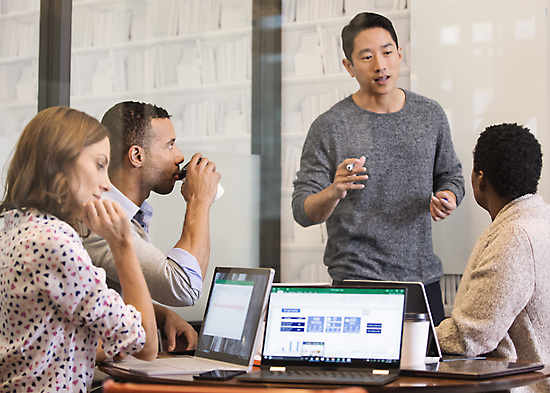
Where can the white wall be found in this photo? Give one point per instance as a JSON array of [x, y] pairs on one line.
[[234, 219], [485, 62]]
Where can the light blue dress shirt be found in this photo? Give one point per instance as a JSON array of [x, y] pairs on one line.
[[143, 215]]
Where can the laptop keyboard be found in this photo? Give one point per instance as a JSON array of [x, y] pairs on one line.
[[331, 374], [340, 377], [193, 363]]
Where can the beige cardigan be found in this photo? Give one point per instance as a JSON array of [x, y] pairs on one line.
[[503, 302]]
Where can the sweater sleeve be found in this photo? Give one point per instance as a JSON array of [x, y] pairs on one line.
[[167, 281], [317, 168], [497, 284]]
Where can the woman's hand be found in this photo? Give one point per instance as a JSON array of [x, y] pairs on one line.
[[108, 220]]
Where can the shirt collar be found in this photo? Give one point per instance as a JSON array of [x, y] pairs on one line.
[[129, 207]]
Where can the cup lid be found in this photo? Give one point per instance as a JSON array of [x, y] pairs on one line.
[[416, 317]]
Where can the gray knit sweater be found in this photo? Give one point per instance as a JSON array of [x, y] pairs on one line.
[[383, 231], [503, 302]]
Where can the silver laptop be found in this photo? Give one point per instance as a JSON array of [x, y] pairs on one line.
[[229, 333], [417, 302], [332, 335]]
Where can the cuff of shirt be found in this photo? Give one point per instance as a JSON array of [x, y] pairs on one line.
[[190, 266]]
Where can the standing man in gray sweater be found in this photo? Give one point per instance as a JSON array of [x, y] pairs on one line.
[[145, 159], [376, 166]]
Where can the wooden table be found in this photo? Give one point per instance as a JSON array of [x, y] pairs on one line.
[[404, 383]]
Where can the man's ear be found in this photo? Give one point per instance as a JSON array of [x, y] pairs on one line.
[[348, 66], [135, 155], [481, 181]]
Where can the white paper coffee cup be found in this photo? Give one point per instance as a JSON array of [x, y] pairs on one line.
[[415, 339], [219, 192]]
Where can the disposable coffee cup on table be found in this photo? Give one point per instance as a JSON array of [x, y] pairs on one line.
[[415, 339]]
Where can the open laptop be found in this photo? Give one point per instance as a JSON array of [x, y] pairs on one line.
[[332, 335], [417, 302], [236, 306]]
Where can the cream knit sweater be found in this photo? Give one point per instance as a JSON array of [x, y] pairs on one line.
[[503, 302]]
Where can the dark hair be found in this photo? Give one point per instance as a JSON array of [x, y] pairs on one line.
[[129, 124], [43, 161], [364, 21], [510, 158]]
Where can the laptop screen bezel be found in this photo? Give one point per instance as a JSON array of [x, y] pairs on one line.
[[299, 363]]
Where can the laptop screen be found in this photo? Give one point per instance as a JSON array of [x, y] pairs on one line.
[[235, 305], [334, 326], [417, 302]]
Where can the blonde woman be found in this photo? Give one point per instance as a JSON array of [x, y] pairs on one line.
[[55, 305]]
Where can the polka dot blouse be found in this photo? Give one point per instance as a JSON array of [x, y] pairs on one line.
[[54, 306]]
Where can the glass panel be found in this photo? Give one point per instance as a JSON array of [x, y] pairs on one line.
[[313, 80], [484, 67], [193, 58], [234, 219], [19, 21]]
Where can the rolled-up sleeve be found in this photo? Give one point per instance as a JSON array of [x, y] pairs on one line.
[[190, 265], [171, 281]]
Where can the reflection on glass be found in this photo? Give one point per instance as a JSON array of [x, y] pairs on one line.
[[482, 32], [447, 84], [450, 35], [525, 29], [482, 98]]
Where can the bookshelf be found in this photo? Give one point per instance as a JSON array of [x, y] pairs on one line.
[[313, 80], [19, 21], [192, 57]]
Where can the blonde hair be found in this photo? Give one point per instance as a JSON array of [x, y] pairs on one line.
[[43, 161]]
